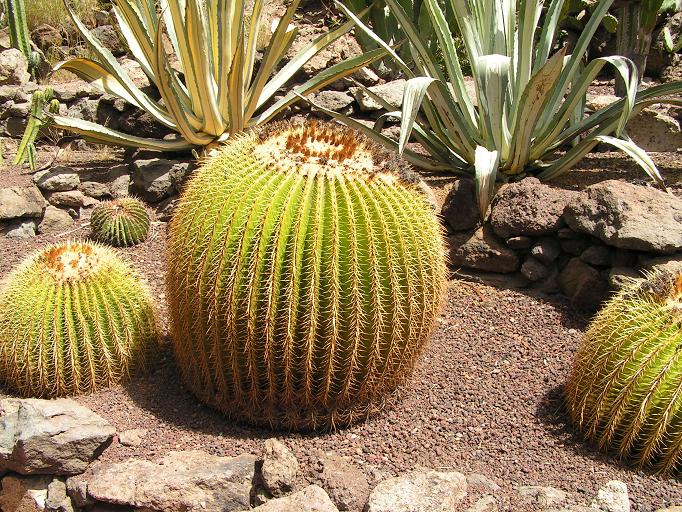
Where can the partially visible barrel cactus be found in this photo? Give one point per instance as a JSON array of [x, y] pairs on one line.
[[73, 318], [305, 273], [625, 391], [120, 222]]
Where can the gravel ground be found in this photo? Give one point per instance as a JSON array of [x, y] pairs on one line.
[[485, 398]]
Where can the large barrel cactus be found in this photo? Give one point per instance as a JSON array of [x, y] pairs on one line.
[[73, 318], [625, 391], [305, 272], [121, 222]]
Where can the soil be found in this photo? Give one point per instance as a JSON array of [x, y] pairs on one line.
[[485, 398]]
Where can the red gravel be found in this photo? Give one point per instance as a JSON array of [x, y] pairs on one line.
[[485, 398]]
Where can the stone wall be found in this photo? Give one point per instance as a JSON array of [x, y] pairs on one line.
[[585, 245]]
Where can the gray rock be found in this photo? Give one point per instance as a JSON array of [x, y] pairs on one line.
[[613, 497], [166, 208], [528, 208], [188, 481], [460, 209], [14, 94], [519, 243], [157, 179], [94, 189], [67, 199], [55, 220], [583, 285], [46, 36], [108, 36], [335, 100], [13, 67], [57, 500], [482, 250], [541, 498], [280, 468], [85, 109], [655, 131], [141, 123], [574, 246], [419, 491], [21, 202], [628, 216], [479, 482], [534, 269], [546, 251], [54, 437], [623, 276], [345, 483], [487, 503], [58, 179], [677, 508], [671, 263], [19, 228], [24, 494], [623, 258], [77, 490], [597, 255], [132, 437], [391, 92], [310, 499]]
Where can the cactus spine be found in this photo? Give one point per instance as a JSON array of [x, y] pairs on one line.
[[73, 318], [121, 222], [305, 273], [625, 390]]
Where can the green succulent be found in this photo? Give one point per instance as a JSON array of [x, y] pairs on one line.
[[120, 222], [625, 390], [305, 272], [73, 318]]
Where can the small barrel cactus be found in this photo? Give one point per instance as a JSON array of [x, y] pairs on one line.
[[625, 390], [305, 273], [73, 318], [120, 222]]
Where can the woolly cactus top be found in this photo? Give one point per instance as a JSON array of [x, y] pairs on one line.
[[330, 149], [72, 261]]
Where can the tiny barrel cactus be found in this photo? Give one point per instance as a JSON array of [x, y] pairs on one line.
[[120, 222], [305, 273], [73, 318], [625, 390]]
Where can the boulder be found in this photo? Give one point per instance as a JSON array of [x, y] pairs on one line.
[[460, 209], [534, 270], [546, 250], [487, 503], [597, 255], [279, 469], [338, 101], [108, 36], [187, 481], [391, 92], [156, 179], [55, 220], [132, 437], [345, 483], [482, 250], [52, 437], [613, 497], [419, 491], [136, 121], [671, 263], [67, 199], [529, 208], [21, 202], [540, 498], [655, 131], [57, 179], [583, 284], [13, 67], [628, 216], [46, 36], [310, 499], [19, 228]]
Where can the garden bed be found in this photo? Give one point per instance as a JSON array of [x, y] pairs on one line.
[[485, 398]]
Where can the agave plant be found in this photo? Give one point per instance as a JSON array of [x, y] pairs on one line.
[[210, 83], [530, 100]]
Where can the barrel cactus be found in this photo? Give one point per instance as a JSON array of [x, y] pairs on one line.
[[121, 222], [625, 390], [305, 273], [73, 318]]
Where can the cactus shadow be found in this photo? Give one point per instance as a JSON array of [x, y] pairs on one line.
[[552, 413], [161, 393]]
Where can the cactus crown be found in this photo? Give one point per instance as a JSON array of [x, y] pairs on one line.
[[73, 318], [625, 390], [305, 272], [121, 222]]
